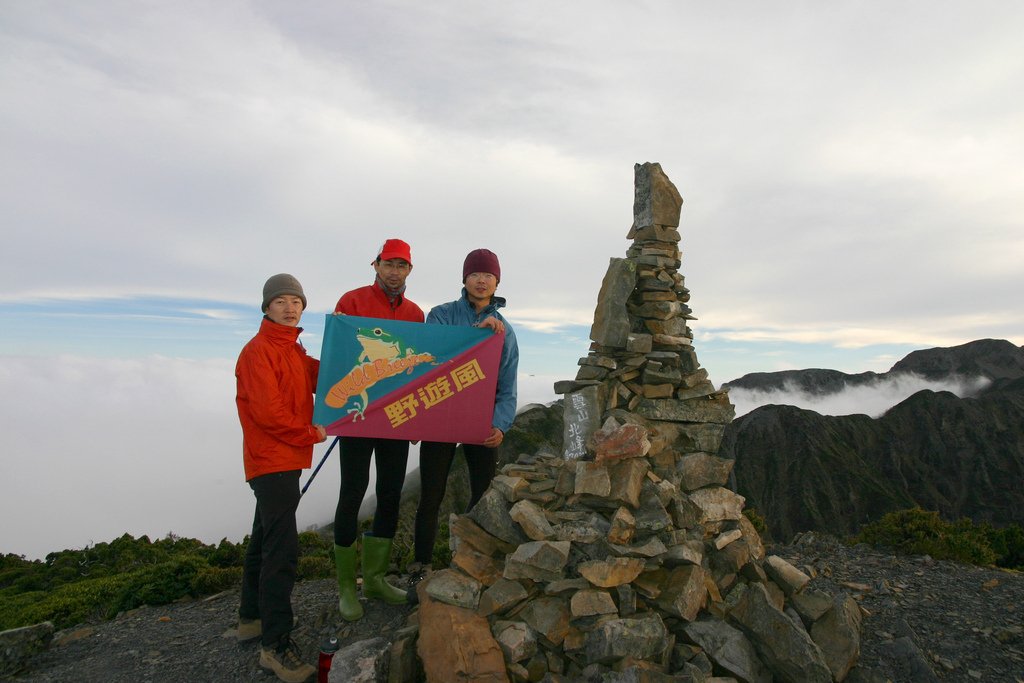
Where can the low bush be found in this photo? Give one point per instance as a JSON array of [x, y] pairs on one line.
[[159, 584], [757, 521], [210, 580], [922, 532], [99, 581], [315, 567], [67, 605]]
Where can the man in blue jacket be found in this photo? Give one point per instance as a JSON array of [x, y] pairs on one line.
[[478, 307]]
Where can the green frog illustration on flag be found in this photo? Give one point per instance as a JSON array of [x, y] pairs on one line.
[[381, 355]]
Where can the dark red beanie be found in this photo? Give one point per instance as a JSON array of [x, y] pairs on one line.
[[481, 261]]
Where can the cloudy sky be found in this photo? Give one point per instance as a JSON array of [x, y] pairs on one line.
[[851, 176]]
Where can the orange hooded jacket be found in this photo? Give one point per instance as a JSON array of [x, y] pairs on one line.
[[276, 380]]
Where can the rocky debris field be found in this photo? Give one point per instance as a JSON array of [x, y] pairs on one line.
[[924, 621]]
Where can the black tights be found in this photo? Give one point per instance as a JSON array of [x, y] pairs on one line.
[[390, 456], [435, 464]]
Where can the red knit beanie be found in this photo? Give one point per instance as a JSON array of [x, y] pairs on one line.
[[481, 261]]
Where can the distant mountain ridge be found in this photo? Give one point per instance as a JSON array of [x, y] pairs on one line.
[[992, 359], [963, 457], [803, 471]]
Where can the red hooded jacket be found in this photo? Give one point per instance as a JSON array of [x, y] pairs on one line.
[[276, 380]]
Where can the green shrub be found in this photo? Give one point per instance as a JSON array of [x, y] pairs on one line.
[[209, 580], [228, 554], [921, 532], [442, 555], [159, 584], [315, 567], [442, 551], [14, 607], [757, 521], [903, 530], [30, 581], [15, 570], [101, 580], [103, 597], [71, 604], [312, 543], [1008, 544]]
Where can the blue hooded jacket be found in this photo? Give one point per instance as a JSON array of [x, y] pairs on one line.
[[462, 312]]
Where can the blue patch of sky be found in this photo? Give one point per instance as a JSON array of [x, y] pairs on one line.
[[194, 328], [126, 328], [552, 353]]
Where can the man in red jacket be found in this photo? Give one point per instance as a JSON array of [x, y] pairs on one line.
[[275, 385], [385, 298]]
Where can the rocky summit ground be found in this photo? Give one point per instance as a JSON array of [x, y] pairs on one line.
[[924, 621], [195, 640]]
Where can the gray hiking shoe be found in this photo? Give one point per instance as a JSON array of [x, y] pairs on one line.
[[249, 630], [285, 662]]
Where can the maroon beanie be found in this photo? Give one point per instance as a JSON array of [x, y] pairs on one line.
[[481, 261]]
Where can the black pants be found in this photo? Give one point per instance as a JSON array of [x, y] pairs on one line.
[[435, 464], [391, 456], [272, 557]]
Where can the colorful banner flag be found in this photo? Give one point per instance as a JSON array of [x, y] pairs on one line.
[[399, 380]]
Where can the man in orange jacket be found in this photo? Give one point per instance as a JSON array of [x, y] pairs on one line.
[[276, 381]]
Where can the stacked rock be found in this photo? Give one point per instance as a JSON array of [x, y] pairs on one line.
[[625, 557], [642, 357]]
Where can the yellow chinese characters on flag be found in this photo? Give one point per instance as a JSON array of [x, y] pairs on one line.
[[432, 393]]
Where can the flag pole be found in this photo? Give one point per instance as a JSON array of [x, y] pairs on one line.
[[322, 461]]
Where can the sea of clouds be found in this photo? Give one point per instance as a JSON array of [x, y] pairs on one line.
[[95, 447], [873, 398]]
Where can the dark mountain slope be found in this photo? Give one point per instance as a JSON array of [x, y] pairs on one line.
[[805, 471], [989, 358], [813, 381]]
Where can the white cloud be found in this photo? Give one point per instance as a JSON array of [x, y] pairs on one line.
[[94, 448], [871, 399], [950, 332], [215, 313], [196, 149]]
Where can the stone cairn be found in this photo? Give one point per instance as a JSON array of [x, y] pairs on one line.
[[625, 558]]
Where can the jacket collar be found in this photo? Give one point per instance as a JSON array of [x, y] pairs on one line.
[[279, 333], [381, 293], [496, 303]]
